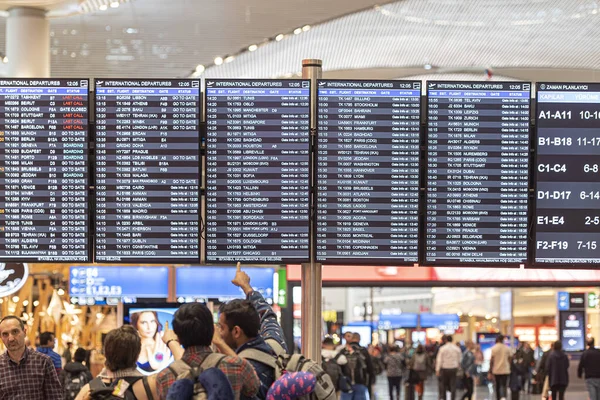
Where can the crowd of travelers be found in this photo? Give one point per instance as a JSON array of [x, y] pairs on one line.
[[458, 369], [244, 356]]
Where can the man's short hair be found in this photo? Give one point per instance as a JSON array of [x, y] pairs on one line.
[[46, 337], [193, 324], [449, 338], [328, 342], [80, 355], [557, 346], [19, 320], [243, 314], [500, 338], [356, 337], [591, 343], [122, 348]]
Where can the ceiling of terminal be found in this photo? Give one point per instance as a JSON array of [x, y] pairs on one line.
[[160, 38]]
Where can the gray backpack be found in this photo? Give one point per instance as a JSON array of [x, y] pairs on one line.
[[324, 388]]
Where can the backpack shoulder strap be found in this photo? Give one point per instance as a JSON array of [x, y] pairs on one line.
[[179, 367], [97, 384], [147, 388], [294, 362], [213, 360], [259, 356], [277, 348]]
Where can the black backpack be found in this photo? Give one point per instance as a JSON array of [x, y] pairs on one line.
[[336, 373], [357, 366], [101, 391], [73, 384]]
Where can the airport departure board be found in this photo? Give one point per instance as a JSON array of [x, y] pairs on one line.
[[257, 170], [43, 170], [147, 170], [368, 172], [567, 168], [478, 143]]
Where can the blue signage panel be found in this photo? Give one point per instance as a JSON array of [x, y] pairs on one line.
[[398, 321], [149, 282], [444, 322], [572, 330], [215, 282], [563, 301]]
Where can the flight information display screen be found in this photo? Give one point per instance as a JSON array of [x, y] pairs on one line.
[[368, 172], [478, 142], [567, 219], [44, 177], [147, 170], [257, 160]]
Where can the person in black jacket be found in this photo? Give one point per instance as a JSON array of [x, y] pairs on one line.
[[75, 375], [361, 369], [590, 364], [558, 371]]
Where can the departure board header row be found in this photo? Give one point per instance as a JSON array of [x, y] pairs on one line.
[[378, 188]]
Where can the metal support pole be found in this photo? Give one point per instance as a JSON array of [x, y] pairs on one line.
[[512, 319], [312, 272]]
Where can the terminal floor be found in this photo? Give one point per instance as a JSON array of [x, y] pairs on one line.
[[576, 391]]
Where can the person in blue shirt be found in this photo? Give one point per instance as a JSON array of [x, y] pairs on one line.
[[47, 341]]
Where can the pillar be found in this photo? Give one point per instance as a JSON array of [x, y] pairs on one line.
[[28, 43]]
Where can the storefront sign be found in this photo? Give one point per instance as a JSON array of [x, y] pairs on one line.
[[12, 278]]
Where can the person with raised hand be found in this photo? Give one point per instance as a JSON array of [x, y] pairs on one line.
[[243, 327]]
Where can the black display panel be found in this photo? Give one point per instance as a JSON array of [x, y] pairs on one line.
[[44, 177], [147, 170], [478, 142], [567, 170], [257, 160], [368, 172]]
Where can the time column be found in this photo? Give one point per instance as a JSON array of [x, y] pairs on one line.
[[104, 104]]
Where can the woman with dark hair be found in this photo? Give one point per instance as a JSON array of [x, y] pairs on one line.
[[558, 371], [155, 354]]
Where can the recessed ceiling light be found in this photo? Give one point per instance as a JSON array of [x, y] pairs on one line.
[[305, 28], [5, 59], [103, 7], [252, 47], [218, 61], [114, 4], [297, 31], [427, 66], [200, 69], [229, 59], [279, 37]]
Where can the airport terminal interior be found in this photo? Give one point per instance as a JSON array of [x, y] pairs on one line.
[[413, 181]]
